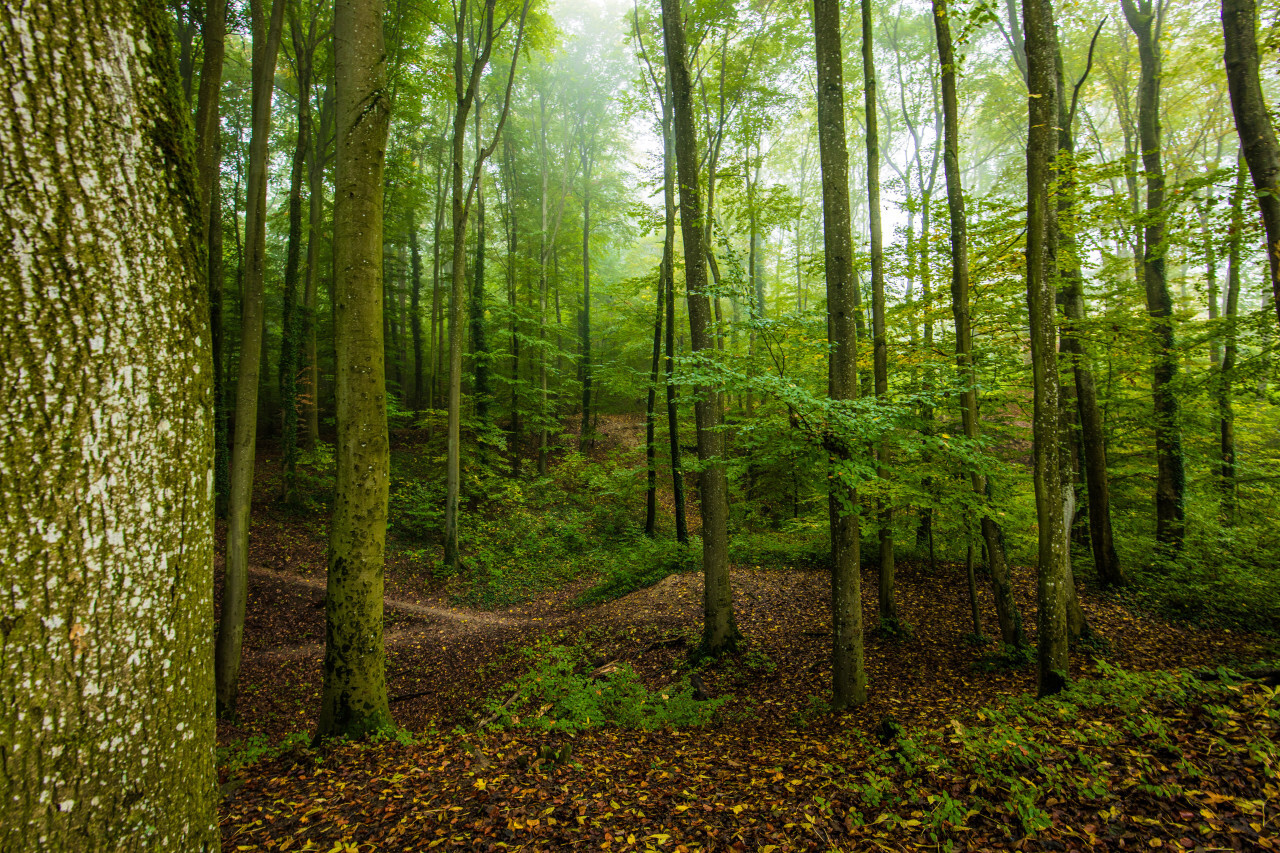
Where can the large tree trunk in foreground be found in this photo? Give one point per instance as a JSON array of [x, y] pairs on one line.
[[266, 46], [720, 631], [1007, 613], [106, 441], [1253, 122], [848, 674], [1170, 475], [1042, 151], [354, 700]]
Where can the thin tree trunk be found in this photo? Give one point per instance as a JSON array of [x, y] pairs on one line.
[[650, 449], [291, 337], [848, 673], [1226, 372], [1007, 614], [584, 436], [353, 701], [1145, 21], [1092, 442], [1042, 148], [479, 338], [669, 288], [208, 173], [880, 345], [319, 152], [720, 631], [266, 46]]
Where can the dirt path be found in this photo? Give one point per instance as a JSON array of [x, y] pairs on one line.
[[435, 620]]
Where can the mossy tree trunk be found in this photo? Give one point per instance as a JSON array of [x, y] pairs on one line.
[[848, 673], [1007, 614], [720, 631], [106, 440], [1041, 41], [354, 698], [266, 46]]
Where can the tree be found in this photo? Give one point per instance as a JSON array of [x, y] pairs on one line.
[[1007, 614], [235, 583], [848, 674], [354, 700], [1146, 20], [720, 631], [1041, 43], [1253, 122], [466, 86], [880, 340], [106, 441]]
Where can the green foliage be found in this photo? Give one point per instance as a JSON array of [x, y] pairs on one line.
[[240, 754], [642, 564], [561, 692]]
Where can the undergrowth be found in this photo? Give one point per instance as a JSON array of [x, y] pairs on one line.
[[561, 691]]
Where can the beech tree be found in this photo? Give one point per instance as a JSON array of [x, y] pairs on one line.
[[720, 631], [848, 673], [354, 700], [106, 441]]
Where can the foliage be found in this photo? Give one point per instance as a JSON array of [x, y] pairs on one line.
[[561, 692]]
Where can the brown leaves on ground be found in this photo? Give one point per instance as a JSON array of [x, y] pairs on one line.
[[773, 772]]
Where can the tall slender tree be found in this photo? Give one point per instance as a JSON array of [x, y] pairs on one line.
[[1041, 41], [1007, 613], [848, 672], [1146, 19], [880, 340], [720, 630], [106, 440], [235, 582]]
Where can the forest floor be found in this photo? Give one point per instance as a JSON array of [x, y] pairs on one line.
[[947, 753]]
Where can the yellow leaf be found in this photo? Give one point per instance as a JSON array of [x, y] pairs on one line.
[[482, 784]]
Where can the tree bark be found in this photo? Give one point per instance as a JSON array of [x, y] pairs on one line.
[[1041, 42], [669, 287], [848, 673], [1226, 371], [720, 631], [266, 46], [354, 698], [650, 447], [106, 440], [1253, 122], [208, 173], [1145, 21], [315, 194], [291, 337], [880, 340], [1007, 614], [1092, 440]]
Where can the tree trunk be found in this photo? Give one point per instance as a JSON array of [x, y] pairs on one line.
[[584, 436], [1042, 149], [650, 448], [669, 287], [479, 339], [266, 46], [106, 441], [415, 309], [208, 174], [354, 699], [1007, 614], [848, 673], [291, 337], [1226, 371], [1170, 476], [720, 631], [880, 345], [1092, 441], [319, 150], [1253, 122]]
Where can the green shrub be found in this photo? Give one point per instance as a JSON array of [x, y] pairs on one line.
[[561, 692]]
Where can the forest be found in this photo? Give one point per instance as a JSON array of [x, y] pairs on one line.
[[639, 425]]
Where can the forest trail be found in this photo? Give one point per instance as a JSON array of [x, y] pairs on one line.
[[428, 620]]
